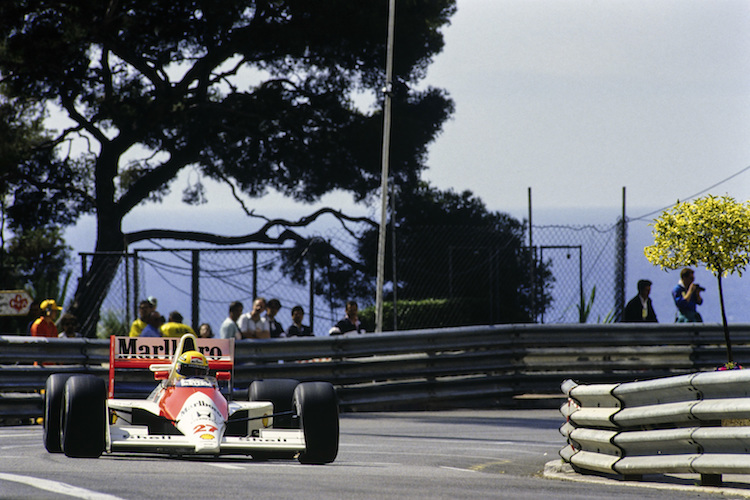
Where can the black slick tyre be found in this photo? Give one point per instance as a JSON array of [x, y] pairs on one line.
[[317, 407], [84, 417]]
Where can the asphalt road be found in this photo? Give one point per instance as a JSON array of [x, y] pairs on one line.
[[435, 455]]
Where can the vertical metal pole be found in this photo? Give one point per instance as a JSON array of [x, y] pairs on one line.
[[394, 280], [387, 90], [255, 276], [127, 287], [311, 305], [196, 289], [622, 241], [532, 263], [580, 283], [136, 281]]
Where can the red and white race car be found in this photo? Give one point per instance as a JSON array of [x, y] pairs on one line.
[[187, 413]]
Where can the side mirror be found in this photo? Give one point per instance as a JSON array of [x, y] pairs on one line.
[[160, 375], [223, 375]]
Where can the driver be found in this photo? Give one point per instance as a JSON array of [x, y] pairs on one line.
[[192, 364]]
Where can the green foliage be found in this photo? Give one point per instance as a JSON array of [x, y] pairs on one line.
[[428, 313], [711, 231], [111, 324], [36, 260]]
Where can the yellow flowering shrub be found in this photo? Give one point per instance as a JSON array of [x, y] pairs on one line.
[[713, 232]]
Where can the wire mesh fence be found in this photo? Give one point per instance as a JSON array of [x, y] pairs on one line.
[[476, 279]]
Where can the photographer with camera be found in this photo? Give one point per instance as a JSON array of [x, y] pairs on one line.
[[687, 296]]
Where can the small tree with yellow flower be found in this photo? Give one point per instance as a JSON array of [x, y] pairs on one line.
[[714, 232]]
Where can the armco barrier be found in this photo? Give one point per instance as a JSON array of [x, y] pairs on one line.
[[438, 368], [697, 423]]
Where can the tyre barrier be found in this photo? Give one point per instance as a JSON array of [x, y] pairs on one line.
[[697, 423]]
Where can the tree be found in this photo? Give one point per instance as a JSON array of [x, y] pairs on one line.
[[255, 93], [713, 231], [449, 247], [33, 254]]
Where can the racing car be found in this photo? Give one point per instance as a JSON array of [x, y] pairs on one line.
[[187, 413]]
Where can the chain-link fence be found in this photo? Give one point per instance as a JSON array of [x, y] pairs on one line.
[[588, 266], [469, 277]]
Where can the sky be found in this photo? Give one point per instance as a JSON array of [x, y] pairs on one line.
[[575, 100]]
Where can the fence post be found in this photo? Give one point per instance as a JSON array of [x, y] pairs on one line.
[[311, 306], [196, 289]]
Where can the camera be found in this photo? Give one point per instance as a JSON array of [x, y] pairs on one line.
[[700, 288]]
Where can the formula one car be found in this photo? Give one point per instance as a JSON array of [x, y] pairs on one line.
[[187, 413]]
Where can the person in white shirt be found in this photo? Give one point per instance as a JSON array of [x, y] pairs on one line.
[[252, 324]]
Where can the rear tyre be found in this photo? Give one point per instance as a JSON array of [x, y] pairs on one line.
[[318, 410], [280, 392], [53, 395], [84, 417]]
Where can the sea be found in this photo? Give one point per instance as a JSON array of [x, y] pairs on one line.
[[736, 288]]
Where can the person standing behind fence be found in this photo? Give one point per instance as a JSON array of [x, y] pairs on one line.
[[175, 327], [229, 328], [350, 323], [145, 308], [297, 329], [205, 331], [69, 326], [640, 309], [252, 324], [274, 327], [687, 297], [44, 325], [153, 325]]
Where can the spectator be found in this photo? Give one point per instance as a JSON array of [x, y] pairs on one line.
[[69, 326], [44, 325], [145, 308], [640, 309], [297, 329], [34, 313], [350, 323], [252, 324], [274, 327], [229, 328], [175, 327], [687, 297], [153, 325], [205, 331]]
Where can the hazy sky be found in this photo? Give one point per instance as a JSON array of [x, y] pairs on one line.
[[578, 98]]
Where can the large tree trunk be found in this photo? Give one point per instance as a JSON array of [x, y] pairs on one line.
[[110, 247]]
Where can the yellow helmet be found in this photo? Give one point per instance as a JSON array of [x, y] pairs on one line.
[[192, 364]]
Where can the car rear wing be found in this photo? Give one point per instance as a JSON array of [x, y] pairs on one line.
[[159, 354]]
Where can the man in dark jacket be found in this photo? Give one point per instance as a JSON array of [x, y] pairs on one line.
[[639, 309]]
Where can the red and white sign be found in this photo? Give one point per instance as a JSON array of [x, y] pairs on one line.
[[14, 303]]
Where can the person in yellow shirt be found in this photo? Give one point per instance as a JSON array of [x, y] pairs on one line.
[[175, 327], [144, 309]]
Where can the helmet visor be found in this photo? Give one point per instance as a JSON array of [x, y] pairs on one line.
[[187, 370]]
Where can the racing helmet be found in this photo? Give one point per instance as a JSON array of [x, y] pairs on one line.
[[192, 364]]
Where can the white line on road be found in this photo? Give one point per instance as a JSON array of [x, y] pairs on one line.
[[57, 487]]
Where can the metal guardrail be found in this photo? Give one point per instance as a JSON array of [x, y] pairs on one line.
[[438, 368], [697, 423]]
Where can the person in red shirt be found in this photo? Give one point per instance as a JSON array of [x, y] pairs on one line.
[[44, 326]]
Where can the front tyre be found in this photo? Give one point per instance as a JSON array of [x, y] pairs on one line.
[[84, 417], [318, 411]]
